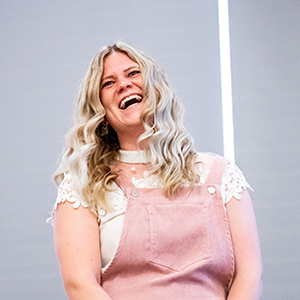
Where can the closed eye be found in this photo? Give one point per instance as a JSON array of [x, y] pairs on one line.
[[107, 83], [134, 72]]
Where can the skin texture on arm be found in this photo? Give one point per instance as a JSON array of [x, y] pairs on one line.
[[247, 283], [76, 238]]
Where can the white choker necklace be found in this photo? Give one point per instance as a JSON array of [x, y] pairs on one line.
[[133, 157]]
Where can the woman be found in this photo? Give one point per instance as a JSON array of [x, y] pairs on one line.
[[189, 230]]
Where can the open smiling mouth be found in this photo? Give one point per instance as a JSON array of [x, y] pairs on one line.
[[130, 100]]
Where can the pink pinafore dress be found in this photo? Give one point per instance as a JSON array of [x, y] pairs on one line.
[[173, 249]]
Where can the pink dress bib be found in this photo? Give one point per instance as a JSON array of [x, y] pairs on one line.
[[173, 249]]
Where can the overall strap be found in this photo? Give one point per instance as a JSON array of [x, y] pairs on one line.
[[216, 173]]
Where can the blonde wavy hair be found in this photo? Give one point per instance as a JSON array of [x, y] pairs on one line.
[[88, 155]]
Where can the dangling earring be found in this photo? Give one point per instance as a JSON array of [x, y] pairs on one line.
[[104, 128]]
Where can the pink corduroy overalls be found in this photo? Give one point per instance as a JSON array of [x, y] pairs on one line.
[[173, 249]]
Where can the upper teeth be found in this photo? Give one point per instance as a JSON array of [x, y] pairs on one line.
[[123, 102]]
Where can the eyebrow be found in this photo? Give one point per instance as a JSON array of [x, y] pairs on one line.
[[124, 71]]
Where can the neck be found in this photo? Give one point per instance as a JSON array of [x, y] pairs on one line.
[[128, 142]]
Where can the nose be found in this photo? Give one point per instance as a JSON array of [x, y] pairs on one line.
[[124, 84]]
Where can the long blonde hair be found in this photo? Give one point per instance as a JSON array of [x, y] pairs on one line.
[[88, 155]]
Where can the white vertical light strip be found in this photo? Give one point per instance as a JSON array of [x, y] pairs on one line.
[[225, 66]]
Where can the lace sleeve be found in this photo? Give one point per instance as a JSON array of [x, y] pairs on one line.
[[67, 192], [233, 183]]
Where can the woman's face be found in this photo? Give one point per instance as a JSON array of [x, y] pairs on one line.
[[121, 93]]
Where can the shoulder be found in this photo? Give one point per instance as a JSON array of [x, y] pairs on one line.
[[207, 161], [233, 182], [204, 161], [67, 192], [209, 158], [205, 164], [205, 157]]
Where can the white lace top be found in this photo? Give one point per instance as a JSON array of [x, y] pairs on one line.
[[111, 222]]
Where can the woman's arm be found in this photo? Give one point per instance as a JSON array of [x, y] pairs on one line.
[[76, 238], [247, 283]]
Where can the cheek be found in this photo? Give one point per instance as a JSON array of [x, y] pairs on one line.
[[140, 83], [104, 100], [107, 103], [111, 115]]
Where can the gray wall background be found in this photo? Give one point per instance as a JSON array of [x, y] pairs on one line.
[[45, 50], [265, 39]]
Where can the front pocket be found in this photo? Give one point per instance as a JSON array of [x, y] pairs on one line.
[[179, 234]]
